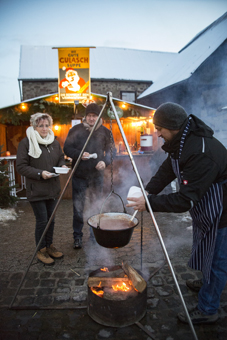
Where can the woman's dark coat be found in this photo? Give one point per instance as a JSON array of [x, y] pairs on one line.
[[37, 188]]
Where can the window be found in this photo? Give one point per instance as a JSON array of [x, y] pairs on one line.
[[128, 96]]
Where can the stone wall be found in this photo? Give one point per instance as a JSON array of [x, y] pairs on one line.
[[102, 87], [32, 89]]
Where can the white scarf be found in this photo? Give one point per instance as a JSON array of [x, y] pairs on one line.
[[35, 139]]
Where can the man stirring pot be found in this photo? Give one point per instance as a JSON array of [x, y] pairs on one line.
[[199, 162]]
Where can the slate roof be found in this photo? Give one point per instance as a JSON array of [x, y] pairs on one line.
[[162, 68], [41, 62], [189, 58]]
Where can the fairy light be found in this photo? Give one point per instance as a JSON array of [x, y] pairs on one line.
[[23, 106]]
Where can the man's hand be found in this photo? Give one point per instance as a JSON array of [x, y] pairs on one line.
[[100, 166], [138, 203], [85, 156]]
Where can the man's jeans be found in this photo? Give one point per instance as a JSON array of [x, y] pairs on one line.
[[43, 210], [79, 187], [210, 294]]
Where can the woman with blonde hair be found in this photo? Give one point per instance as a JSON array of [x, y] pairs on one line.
[[37, 154]]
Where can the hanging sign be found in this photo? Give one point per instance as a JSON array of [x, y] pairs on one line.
[[74, 74]]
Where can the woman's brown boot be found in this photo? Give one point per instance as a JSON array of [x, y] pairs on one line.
[[44, 257], [53, 252]]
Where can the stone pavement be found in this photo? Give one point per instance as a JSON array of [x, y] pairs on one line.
[[52, 302]]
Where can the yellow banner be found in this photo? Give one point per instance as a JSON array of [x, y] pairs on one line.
[[74, 74]]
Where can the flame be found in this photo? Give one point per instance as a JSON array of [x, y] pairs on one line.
[[123, 287], [104, 269], [97, 292]]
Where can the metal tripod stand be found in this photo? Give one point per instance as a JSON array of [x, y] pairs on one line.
[[109, 100]]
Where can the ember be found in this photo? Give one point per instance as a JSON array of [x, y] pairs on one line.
[[105, 269], [97, 292]]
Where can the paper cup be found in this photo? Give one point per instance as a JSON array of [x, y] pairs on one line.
[[134, 192]]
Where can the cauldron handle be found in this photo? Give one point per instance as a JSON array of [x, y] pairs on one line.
[[112, 192]]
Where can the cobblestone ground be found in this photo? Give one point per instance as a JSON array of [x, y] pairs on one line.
[[52, 302]]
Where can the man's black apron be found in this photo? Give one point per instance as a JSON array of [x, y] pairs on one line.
[[205, 220]]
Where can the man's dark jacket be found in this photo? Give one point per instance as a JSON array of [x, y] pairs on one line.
[[37, 188], [100, 143], [203, 161]]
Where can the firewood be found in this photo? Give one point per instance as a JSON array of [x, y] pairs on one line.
[[138, 282], [97, 281], [113, 273]]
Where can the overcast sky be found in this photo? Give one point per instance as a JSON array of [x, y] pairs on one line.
[[158, 25]]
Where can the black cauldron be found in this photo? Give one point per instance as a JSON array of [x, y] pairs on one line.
[[110, 236]]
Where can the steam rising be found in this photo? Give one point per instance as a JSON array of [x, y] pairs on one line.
[[175, 239]]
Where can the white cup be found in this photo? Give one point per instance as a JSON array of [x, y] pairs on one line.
[[134, 192]]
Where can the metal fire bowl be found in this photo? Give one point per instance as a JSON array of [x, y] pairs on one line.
[[112, 238], [116, 313]]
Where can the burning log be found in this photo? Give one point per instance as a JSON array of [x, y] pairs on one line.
[[97, 281], [104, 272], [138, 282]]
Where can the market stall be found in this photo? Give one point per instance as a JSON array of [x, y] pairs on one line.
[[136, 121]]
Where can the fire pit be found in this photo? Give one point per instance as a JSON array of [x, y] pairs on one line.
[[113, 298]]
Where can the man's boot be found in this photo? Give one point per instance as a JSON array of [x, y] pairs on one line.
[[194, 284], [43, 257], [53, 252]]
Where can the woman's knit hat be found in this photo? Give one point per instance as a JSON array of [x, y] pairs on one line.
[[170, 116]]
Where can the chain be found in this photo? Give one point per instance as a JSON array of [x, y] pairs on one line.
[[111, 154]]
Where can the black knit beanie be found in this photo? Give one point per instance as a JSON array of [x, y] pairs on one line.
[[92, 108], [170, 116]]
